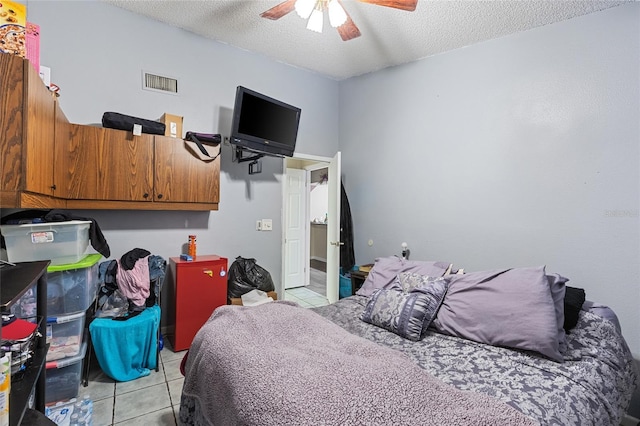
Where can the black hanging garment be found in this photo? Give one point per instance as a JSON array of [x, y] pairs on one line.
[[347, 255]]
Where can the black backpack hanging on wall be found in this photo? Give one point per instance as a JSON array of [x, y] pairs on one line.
[[115, 120]]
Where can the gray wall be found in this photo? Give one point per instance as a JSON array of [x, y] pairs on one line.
[[97, 53], [519, 151]]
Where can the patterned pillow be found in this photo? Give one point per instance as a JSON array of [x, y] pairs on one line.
[[406, 314], [408, 281]]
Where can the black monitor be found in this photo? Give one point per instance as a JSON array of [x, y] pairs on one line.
[[264, 125]]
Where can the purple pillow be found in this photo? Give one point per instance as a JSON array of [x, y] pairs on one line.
[[512, 308], [558, 289], [386, 269]]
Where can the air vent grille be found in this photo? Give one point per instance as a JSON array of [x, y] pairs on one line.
[[159, 83]]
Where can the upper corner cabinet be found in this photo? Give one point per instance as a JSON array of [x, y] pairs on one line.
[[27, 135]]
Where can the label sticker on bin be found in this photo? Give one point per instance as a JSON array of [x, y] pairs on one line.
[[42, 237]]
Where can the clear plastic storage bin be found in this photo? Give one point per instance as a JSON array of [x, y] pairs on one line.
[[60, 242], [64, 334], [64, 377], [72, 288]]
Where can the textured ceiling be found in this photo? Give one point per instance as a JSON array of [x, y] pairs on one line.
[[389, 36]]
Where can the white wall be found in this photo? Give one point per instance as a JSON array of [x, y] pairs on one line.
[[518, 151], [97, 53], [319, 202]]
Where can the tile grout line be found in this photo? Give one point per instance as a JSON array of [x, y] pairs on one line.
[[166, 381], [113, 409]]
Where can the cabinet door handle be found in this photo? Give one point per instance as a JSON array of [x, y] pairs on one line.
[[54, 187], [208, 272], [159, 196], [145, 195]]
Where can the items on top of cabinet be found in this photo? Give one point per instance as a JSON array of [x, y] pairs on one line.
[[173, 125], [195, 143], [13, 20], [192, 246], [115, 120]]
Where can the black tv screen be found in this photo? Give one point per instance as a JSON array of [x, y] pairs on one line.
[[263, 124]]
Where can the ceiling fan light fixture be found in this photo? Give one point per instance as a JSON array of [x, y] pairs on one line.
[[315, 21], [337, 15], [304, 8]]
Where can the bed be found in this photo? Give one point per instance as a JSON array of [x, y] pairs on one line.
[[481, 356]]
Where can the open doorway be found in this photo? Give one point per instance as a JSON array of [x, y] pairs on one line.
[[318, 213], [311, 255]]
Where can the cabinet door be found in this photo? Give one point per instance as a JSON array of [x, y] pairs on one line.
[[39, 134], [180, 176], [106, 164], [11, 120]]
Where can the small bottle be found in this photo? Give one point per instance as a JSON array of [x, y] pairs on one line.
[[75, 420], [192, 246]]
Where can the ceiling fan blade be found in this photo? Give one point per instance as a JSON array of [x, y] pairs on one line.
[[409, 5], [278, 11], [348, 30]]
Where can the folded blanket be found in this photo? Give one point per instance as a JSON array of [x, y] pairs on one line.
[[280, 364]]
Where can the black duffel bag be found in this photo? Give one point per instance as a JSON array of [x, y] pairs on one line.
[[115, 120], [246, 275]]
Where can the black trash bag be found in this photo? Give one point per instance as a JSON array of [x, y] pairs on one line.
[[246, 275]]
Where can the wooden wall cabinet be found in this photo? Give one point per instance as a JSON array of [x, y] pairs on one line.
[[181, 177], [47, 162], [27, 136], [114, 169], [105, 164]]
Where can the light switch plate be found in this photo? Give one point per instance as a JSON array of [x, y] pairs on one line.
[[267, 225]]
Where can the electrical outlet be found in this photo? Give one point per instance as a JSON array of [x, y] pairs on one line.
[[258, 225], [267, 225]]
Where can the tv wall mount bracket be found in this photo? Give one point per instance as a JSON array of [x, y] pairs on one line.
[[255, 166]]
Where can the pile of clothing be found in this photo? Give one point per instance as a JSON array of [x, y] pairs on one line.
[[130, 284]]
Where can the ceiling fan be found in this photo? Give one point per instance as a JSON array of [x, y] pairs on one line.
[[338, 16]]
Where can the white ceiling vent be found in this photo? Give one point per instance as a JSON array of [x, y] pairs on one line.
[[159, 83]]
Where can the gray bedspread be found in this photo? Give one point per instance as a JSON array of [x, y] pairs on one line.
[[281, 364], [593, 386]]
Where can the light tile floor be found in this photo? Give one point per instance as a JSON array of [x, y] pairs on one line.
[[155, 399], [151, 400], [305, 297]]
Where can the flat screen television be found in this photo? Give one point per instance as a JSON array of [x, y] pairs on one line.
[[264, 125]]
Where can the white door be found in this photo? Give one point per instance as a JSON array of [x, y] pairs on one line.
[[295, 228], [333, 229]]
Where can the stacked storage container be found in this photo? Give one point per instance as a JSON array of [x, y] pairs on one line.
[[71, 290], [72, 280]]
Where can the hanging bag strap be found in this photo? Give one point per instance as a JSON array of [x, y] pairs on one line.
[[205, 138]]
